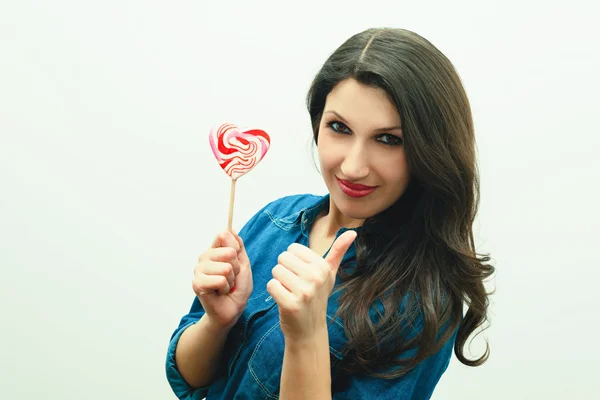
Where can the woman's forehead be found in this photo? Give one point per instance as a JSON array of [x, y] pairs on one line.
[[362, 104]]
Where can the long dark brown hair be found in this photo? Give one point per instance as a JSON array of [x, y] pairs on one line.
[[417, 258]]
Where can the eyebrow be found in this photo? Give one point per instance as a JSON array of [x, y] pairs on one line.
[[392, 128]]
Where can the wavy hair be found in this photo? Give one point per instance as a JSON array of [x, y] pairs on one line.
[[420, 262]]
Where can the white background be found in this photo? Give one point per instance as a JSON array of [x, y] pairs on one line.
[[109, 191]]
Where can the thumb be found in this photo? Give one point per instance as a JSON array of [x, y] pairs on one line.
[[339, 248], [242, 255]]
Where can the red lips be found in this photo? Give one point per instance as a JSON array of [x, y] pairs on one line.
[[355, 190], [356, 186]]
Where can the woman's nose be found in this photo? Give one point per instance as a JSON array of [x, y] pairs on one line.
[[355, 165]]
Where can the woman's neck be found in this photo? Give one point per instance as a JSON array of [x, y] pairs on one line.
[[331, 220]]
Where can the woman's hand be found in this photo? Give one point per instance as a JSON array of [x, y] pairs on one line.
[[301, 285], [223, 279]]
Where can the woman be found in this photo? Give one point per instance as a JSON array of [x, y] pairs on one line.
[[357, 294]]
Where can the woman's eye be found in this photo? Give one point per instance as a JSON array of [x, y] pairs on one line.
[[391, 140], [338, 127]]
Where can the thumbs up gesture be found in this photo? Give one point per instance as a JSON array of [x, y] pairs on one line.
[[301, 285]]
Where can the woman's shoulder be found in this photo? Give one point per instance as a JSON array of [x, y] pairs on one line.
[[283, 211], [291, 206]]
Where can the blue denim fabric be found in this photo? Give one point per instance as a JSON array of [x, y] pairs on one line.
[[253, 353]]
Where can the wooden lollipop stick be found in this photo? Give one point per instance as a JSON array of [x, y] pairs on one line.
[[231, 200]]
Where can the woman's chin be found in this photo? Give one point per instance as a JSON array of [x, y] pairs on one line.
[[351, 208]]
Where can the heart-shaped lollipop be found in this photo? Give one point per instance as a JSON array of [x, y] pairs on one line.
[[236, 150]]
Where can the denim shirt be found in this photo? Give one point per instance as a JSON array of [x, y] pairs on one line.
[[253, 353]]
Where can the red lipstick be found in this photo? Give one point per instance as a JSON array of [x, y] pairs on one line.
[[355, 189]]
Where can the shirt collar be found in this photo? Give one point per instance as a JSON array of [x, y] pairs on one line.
[[306, 216]]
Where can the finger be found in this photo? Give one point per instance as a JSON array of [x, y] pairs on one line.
[[229, 240], [292, 262], [242, 255], [281, 295], [220, 268], [222, 254], [206, 284], [220, 240], [304, 253], [216, 242], [235, 263], [225, 239], [339, 248], [291, 281]]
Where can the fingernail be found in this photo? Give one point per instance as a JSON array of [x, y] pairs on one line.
[[232, 289]]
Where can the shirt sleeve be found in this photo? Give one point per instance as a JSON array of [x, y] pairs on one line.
[[178, 384], [418, 384]]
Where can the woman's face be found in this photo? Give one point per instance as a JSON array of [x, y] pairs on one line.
[[361, 150]]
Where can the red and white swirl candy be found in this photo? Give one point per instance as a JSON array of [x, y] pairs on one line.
[[236, 150]]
